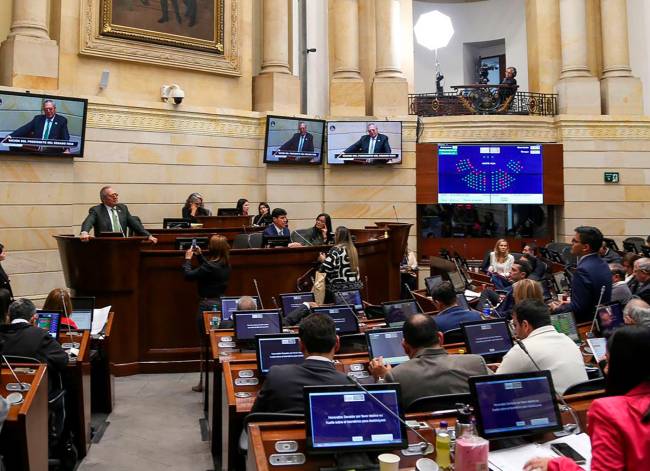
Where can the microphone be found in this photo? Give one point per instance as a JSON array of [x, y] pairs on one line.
[[275, 303], [73, 346], [425, 446], [395, 211], [413, 297], [569, 428], [21, 386], [257, 290], [600, 300]]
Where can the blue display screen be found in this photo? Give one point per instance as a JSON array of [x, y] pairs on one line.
[[490, 174]]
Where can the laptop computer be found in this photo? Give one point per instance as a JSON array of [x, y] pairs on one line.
[[83, 308], [277, 349], [228, 212], [609, 318], [431, 282], [269, 241], [290, 301], [490, 338], [397, 311], [457, 281], [49, 321], [344, 318], [387, 343], [565, 323], [176, 223], [249, 324]]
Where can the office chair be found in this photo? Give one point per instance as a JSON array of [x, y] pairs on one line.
[[255, 240], [439, 402], [454, 336], [263, 417], [586, 386], [241, 241]]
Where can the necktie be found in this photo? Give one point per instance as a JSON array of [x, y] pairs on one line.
[[48, 125], [371, 147], [302, 141], [116, 221]]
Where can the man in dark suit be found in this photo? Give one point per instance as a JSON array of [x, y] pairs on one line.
[[431, 371], [111, 216], [373, 143], [302, 141], [6, 294], [48, 125], [642, 275], [450, 314], [282, 388], [590, 276]]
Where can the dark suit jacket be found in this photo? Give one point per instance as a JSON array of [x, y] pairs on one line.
[[99, 220], [4, 281], [591, 274], [282, 388], [34, 128], [272, 231], [451, 318], [5, 293], [292, 144], [643, 292], [433, 372], [30, 341], [361, 146]]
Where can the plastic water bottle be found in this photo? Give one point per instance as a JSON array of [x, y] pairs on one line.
[[487, 309], [443, 443], [214, 322]]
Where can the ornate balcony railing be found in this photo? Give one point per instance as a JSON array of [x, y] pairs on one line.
[[482, 99]]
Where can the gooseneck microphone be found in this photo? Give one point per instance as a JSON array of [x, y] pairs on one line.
[[300, 235], [257, 290], [395, 212], [425, 446], [19, 384], [600, 300], [575, 430]]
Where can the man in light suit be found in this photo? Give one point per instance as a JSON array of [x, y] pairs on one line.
[[373, 143], [302, 141], [48, 125], [431, 371], [111, 216], [282, 390]]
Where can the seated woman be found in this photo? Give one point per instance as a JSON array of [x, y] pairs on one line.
[[321, 233], [619, 424], [263, 217], [408, 268], [498, 264], [59, 300], [340, 265], [194, 207], [242, 207]]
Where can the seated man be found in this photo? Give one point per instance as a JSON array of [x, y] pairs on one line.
[[299, 313], [620, 290], [642, 275], [450, 314], [550, 349], [5, 288], [21, 338], [112, 216], [637, 311], [609, 255], [282, 388], [520, 270], [245, 303], [431, 371], [529, 253], [280, 226]]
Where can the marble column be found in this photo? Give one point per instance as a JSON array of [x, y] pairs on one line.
[[275, 88], [347, 89], [389, 87], [621, 93], [578, 89], [28, 57], [543, 43]]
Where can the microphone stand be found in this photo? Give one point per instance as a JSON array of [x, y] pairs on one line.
[[568, 428], [257, 290], [600, 300], [21, 386], [300, 235]]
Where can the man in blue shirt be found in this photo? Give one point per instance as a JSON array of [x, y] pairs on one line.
[[451, 315]]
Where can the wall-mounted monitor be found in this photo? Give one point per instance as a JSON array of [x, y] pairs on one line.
[[293, 140], [364, 142], [46, 125], [490, 173]]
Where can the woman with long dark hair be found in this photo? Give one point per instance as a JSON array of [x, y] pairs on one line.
[[194, 207], [263, 217], [212, 275], [59, 300], [242, 206], [618, 425], [340, 265], [322, 233]]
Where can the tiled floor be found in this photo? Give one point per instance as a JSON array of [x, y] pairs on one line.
[[154, 427]]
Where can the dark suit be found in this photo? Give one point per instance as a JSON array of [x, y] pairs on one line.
[[6, 294], [272, 231], [282, 388], [99, 220], [452, 317], [292, 144], [362, 145], [590, 275], [643, 292], [58, 130], [433, 372]]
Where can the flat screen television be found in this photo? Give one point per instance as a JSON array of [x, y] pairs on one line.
[[348, 142], [293, 140], [490, 173], [47, 125]]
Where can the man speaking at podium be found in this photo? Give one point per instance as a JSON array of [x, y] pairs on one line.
[[373, 143], [111, 216], [302, 141], [48, 125]]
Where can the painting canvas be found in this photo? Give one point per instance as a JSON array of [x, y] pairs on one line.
[[194, 24]]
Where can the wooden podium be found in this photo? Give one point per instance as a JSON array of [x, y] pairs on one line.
[[154, 329]]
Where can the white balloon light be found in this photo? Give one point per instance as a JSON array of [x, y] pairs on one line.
[[433, 30]]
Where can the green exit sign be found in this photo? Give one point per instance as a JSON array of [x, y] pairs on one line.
[[611, 177]]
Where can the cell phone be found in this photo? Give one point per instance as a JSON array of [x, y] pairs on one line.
[[563, 449], [194, 246], [598, 347]]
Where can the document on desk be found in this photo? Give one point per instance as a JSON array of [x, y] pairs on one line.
[[469, 294], [514, 459], [100, 316]]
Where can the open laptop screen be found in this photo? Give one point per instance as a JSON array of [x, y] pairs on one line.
[[248, 324], [396, 311], [565, 323], [50, 321], [277, 349], [515, 404], [344, 318], [291, 301], [609, 319], [345, 418], [431, 282], [82, 311], [490, 339], [457, 281], [387, 343]]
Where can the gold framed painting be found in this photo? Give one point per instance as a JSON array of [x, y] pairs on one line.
[[189, 24]]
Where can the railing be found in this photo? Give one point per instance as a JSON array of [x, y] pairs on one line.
[[482, 99]]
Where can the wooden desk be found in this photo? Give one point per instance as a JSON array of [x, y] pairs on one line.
[[23, 440], [102, 381], [76, 380], [155, 330], [263, 436]]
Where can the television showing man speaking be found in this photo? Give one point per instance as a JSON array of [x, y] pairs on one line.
[[364, 142], [293, 140], [42, 124]]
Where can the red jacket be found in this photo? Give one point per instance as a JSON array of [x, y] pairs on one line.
[[619, 441], [67, 321]]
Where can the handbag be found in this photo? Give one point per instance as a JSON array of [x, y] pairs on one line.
[[319, 287]]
